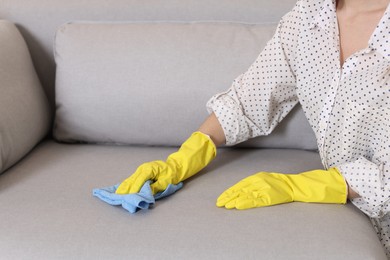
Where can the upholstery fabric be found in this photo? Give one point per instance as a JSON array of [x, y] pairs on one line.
[[24, 116], [151, 81], [48, 212], [51, 213], [39, 19]]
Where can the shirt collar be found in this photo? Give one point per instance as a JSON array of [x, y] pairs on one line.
[[326, 17], [380, 39]]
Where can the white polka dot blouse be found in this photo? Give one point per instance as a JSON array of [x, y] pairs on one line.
[[347, 106]]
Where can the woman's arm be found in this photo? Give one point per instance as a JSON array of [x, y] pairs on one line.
[[352, 194], [213, 128]]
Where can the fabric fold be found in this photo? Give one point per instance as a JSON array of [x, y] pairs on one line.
[[134, 201]]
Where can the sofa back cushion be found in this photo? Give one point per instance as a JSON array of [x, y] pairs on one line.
[[24, 110], [148, 83], [39, 19]]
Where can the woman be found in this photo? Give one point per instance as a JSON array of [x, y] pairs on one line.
[[333, 58]]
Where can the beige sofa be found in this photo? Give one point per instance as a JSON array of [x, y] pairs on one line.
[[91, 89]]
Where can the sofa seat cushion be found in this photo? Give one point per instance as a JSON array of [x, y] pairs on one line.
[[48, 211]]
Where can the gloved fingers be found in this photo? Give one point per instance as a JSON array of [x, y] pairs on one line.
[[131, 186], [124, 187], [243, 200], [248, 193], [230, 204], [233, 192], [249, 201], [238, 203], [227, 196], [138, 182], [134, 183], [161, 184]]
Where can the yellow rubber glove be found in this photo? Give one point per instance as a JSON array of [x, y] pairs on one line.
[[194, 154], [266, 189]]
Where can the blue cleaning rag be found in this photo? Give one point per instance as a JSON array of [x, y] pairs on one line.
[[135, 201]]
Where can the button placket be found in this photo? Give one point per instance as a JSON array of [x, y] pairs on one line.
[[326, 113]]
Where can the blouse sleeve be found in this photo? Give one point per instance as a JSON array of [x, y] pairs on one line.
[[370, 179], [261, 97]]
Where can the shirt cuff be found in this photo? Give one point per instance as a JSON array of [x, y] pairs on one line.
[[228, 112], [366, 178]]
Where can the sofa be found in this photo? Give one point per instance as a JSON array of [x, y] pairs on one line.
[[89, 90]]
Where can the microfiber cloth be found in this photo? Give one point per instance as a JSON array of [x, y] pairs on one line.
[[134, 201]]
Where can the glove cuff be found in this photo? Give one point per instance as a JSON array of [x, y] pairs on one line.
[[194, 154], [320, 186]]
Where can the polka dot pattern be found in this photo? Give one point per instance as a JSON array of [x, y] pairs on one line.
[[347, 106]]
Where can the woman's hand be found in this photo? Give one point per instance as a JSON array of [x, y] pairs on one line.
[[352, 194], [266, 189], [194, 154]]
